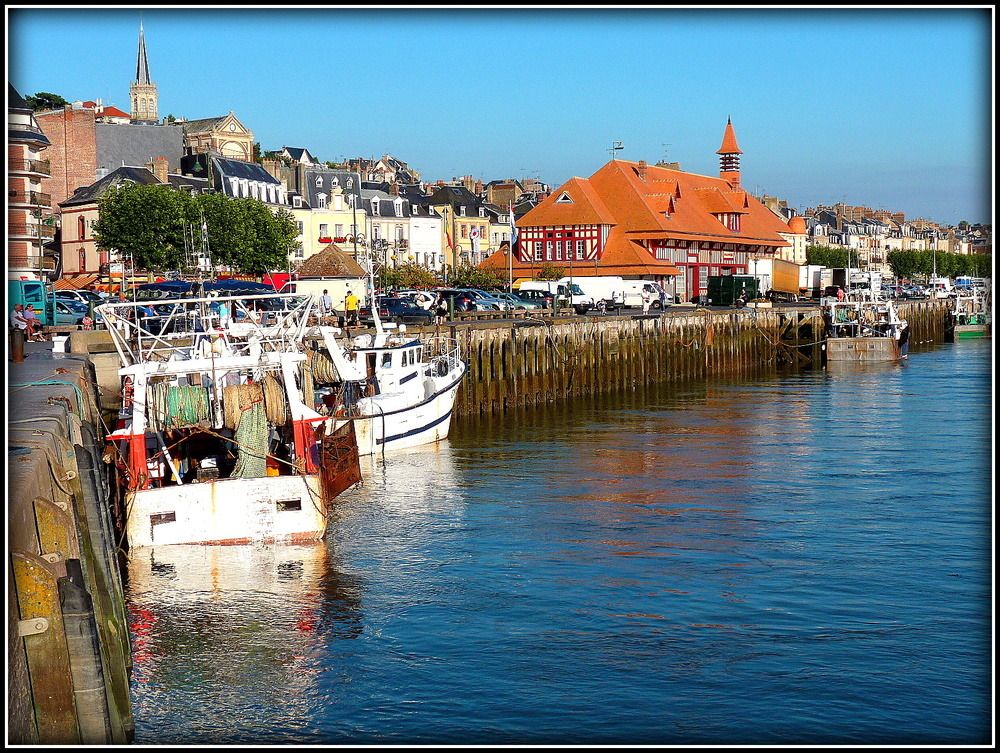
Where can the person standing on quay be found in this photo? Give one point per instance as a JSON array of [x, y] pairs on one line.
[[351, 307]]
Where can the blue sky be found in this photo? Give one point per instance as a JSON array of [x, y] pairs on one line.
[[883, 108]]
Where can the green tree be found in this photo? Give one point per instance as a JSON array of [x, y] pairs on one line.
[[274, 238], [470, 276], [826, 256], [144, 223], [244, 234], [408, 275], [45, 101], [550, 271]]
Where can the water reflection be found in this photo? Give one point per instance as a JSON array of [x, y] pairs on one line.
[[241, 626]]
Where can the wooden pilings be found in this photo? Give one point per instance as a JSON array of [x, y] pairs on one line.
[[532, 362]]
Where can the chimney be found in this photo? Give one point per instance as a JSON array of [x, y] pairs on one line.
[[160, 167], [642, 170]]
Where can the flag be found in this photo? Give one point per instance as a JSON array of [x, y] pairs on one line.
[[513, 230], [448, 236]]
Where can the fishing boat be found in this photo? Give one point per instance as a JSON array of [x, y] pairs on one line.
[[864, 329], [218, 441], [394, 389], [972, 314]]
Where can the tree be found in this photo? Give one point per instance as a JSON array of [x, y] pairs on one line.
[[45, 101], [408, 275], [550, 271], [825, 256], [244, 234], [467, 275], [144, 223]]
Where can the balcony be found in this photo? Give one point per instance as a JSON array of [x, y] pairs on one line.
[[21, 230], [29, 198], [33, 166]]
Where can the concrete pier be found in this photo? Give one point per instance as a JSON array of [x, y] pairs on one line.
[[68, 654]]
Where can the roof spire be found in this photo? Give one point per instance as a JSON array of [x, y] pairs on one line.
[[729, 156], [142, 65]]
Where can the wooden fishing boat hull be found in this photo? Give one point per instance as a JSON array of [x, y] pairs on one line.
[[865, 349]]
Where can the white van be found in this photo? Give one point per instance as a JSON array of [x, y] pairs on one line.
[[635, 288], [940, 287], [564, 291]]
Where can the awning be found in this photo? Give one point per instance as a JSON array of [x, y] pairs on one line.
[[75, 282]]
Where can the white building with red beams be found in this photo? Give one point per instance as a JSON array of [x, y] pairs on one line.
[[641, 221]]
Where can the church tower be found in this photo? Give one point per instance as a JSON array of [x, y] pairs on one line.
[[143, 91], [729, 156]]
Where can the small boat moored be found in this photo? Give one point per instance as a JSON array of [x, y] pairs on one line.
[[864, 330]]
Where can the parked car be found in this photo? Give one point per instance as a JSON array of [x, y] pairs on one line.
[[396, 309], [515, 301], [543, 297], [84, 296], [70, 311], [892, 291], [470, 299], [491, 299], [915, 292]]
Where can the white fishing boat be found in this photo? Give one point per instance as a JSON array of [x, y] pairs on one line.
[[396, 390], [972, 314], [864, 329], [218, 442]]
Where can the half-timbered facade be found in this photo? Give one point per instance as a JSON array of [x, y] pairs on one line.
[[638, 221]]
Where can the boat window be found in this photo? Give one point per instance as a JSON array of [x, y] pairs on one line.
[[386, 359]]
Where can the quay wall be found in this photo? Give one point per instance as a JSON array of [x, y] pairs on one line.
[[68, 651], [527, 362]]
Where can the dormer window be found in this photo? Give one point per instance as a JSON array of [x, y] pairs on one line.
[[564, 198], [374, 205], [296, 201], [321, 201], [482, 212], [319, 181], [461, 211]]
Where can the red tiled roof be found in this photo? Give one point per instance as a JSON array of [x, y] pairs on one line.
[[645, 202], [729, 145]]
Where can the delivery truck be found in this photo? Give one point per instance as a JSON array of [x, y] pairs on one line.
[[778, 279]]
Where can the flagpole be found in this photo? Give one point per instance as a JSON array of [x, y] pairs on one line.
[[510, 250]]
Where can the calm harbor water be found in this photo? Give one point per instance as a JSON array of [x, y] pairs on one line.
[[798, 560]]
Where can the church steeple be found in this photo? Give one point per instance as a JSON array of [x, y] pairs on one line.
[[142, 65], [143, 90], [729, 156]]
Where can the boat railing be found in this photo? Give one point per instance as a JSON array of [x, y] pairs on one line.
[[442, 353], [234, 325]]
